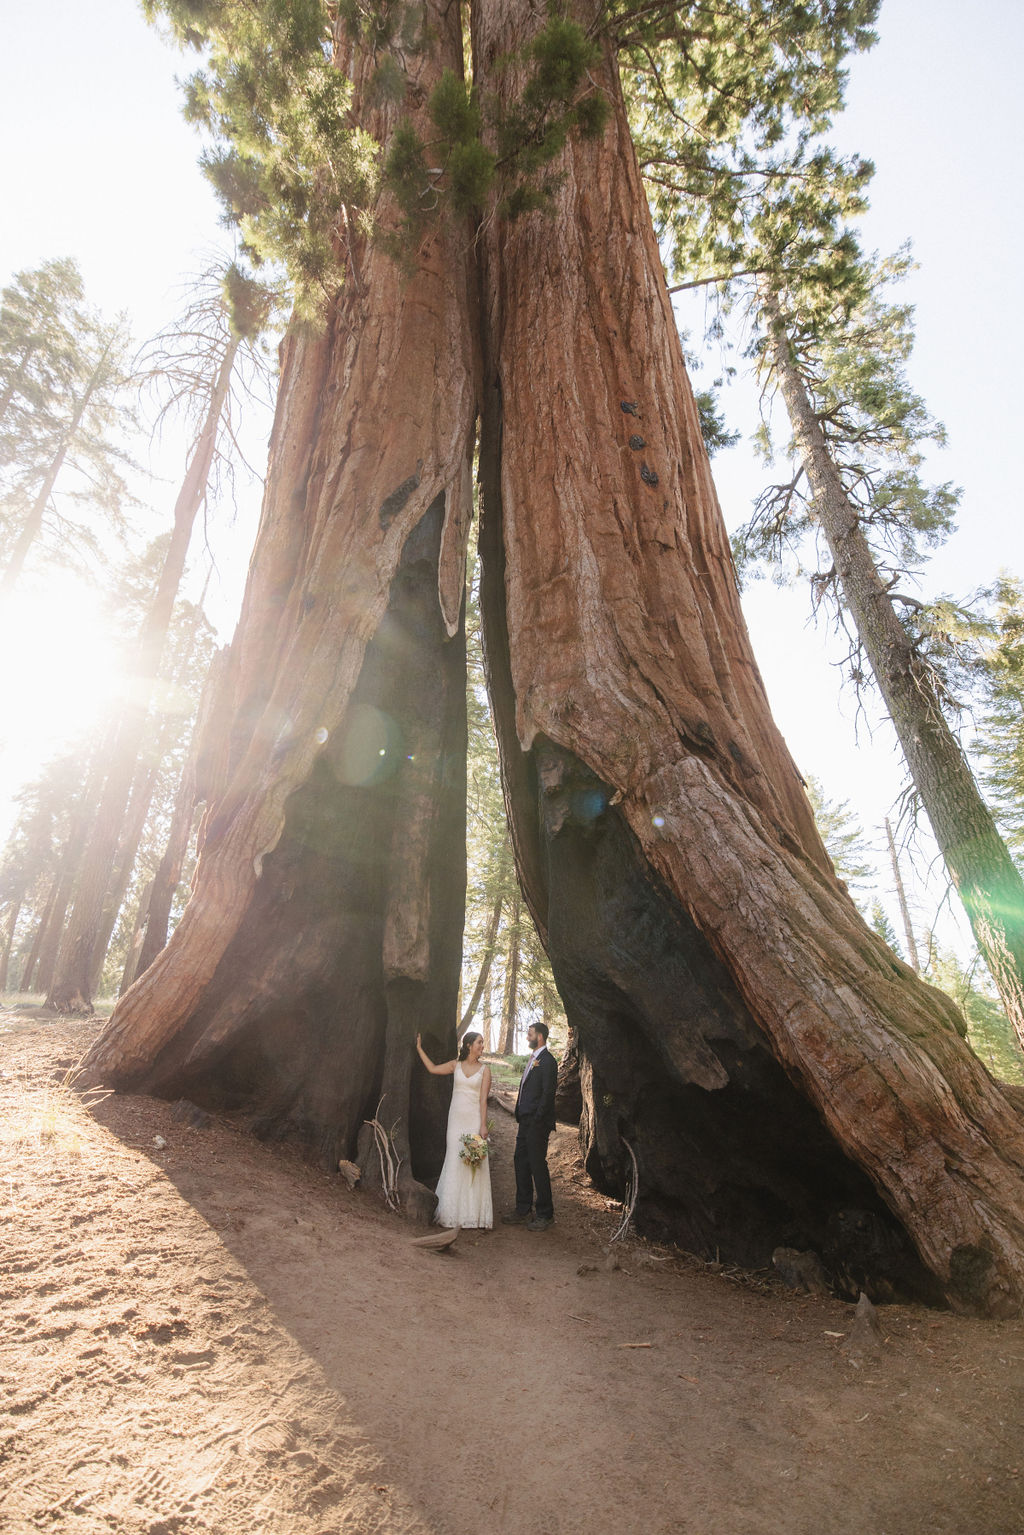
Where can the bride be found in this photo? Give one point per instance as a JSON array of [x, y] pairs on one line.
[[464, 1192]]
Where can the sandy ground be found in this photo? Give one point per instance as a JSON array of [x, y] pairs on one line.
[[212, 1337]]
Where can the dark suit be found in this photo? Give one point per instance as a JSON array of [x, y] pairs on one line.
[[535, 1113]]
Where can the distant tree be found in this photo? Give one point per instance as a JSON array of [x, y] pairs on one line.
[[901, 897], [978, 644], [64, 376], [987, 1026], [1000, 735], [163, 760], [883, 927], [173, 865], [41, 320], [501, 942], [195, 361], [849, 413], [30, 865], [843, 836], [28, 857], [831, 344]]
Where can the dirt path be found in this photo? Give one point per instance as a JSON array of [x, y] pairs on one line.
[[211, 1337]]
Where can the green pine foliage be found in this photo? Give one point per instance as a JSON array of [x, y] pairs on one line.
[[748, 198], [1000, 735], [42, 316], [988, 1029], [286, 159], [284, 156], [66, 409], [876, 427], [843, 836], [878, 920], [726, 104], [976, 648]]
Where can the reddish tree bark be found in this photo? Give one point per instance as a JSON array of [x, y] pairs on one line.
[[764, 1053], [325, 923]]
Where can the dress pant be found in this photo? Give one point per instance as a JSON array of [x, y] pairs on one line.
[[533, 1181]]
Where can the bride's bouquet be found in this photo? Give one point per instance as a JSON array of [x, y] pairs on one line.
[[473, 1150]]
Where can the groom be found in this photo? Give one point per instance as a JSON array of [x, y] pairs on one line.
[[535, 1113]]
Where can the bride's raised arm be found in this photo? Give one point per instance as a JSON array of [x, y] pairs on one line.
[[435, 1071]]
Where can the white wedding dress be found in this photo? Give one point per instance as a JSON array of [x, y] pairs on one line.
[[464, 1196]]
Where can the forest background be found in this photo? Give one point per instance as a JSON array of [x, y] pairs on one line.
[[100, 167]]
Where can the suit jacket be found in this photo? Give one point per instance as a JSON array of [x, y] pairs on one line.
[[536, 1100]]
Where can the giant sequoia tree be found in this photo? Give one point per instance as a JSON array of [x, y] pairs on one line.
[[770, 1063]]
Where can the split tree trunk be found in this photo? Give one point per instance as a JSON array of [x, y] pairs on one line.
[[768, 1059], [986, 877], [771, 1063], [325, 924]]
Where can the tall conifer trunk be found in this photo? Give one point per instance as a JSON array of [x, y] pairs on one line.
[[510, 991], [986, 877], [761, 1050], [7, 942], [325, 923]]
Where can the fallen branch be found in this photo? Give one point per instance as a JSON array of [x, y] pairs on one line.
[[629, 1196], [389, 1162]]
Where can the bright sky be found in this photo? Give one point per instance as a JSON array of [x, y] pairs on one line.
[[97, 164]]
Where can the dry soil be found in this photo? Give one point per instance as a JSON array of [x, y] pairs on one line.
[[203, 1334]]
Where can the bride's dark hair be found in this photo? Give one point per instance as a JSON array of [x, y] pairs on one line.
[[467, 1040]]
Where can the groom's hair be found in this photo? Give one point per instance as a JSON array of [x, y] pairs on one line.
[[542, 1030]]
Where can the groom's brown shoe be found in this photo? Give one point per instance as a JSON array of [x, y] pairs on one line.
[[541, 1223], [516, 1217]]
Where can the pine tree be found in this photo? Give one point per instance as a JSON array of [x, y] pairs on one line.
[[194, 364], [985, 1024], [850, 503], [843, 836], [64, 376], [883, 927], [830, 343], [42, 317], [977, 645]]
